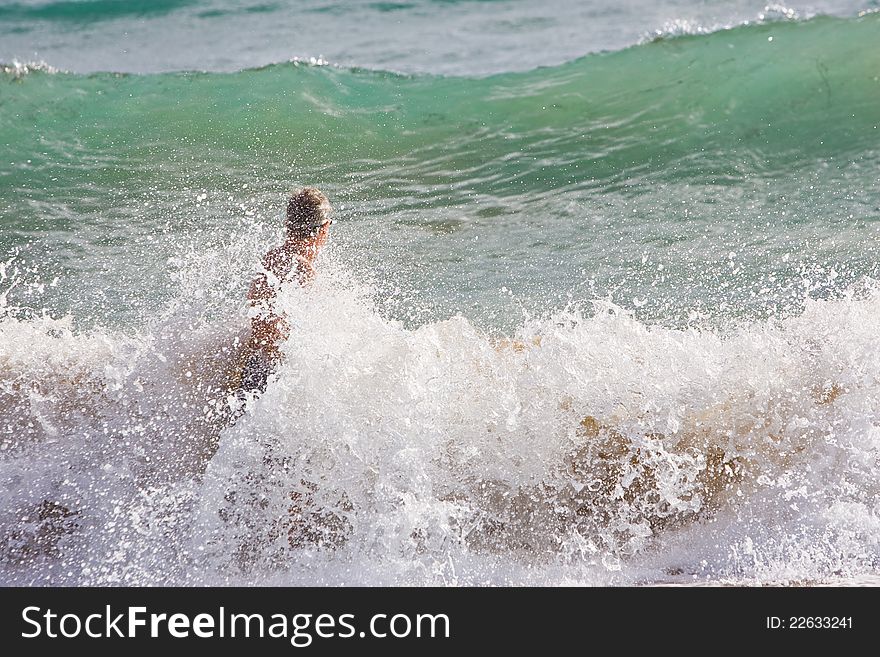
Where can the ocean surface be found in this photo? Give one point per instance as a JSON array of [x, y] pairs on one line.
[[601, 304]]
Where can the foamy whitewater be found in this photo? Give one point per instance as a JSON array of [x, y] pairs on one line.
[[588, 448], [608, 321]]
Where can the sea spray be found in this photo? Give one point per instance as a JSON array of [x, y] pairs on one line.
[[585, 439]]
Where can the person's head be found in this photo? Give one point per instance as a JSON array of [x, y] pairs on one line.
[[308, 215]]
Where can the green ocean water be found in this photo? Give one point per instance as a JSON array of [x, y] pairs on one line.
[[745, 155], [758, 99]]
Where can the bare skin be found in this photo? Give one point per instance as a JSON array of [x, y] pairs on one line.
[[294, 258]]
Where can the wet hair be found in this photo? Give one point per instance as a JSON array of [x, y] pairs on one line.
[[307, 209]]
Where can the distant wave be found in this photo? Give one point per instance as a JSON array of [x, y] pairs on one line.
[[756, 99]]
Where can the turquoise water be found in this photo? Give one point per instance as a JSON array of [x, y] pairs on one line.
[[453, 37], [728, 167], [680, 231]]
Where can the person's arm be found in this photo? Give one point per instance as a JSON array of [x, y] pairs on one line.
[[268, 327]]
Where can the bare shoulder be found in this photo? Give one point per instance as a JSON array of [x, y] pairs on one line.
[[278, 261]]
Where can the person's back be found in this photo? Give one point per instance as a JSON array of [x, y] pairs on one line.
[[308, 228]]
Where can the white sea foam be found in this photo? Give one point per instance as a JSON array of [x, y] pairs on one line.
[[587, 448], [683, 27], [19, 69]]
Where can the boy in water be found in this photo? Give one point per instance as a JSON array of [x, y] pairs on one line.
[[308, 228]]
